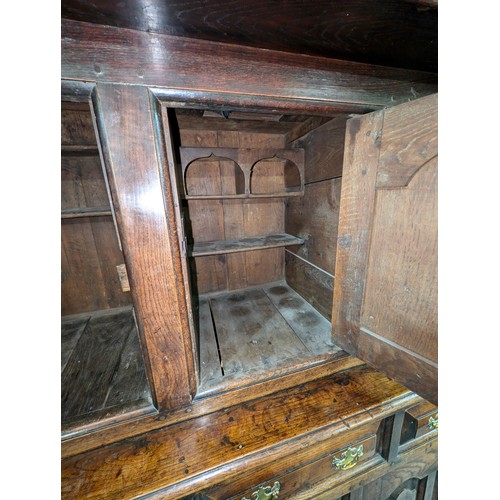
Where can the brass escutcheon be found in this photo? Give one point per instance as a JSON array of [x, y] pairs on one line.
[[349, 458], [433, 422], [265, 492]]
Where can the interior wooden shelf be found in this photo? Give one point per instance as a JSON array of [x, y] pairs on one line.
[[79, 150], [243, 244], [241, 196], [73, 213], [258, 332]]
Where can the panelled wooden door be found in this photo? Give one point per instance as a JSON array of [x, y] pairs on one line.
[[385, 295]]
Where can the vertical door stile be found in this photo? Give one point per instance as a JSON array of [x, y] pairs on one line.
[[146, 222]]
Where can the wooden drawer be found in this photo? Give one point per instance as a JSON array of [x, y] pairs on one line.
[[419, 421], [294, 482]]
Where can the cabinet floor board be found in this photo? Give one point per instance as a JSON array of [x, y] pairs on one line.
[[259, 331], [102, 370]]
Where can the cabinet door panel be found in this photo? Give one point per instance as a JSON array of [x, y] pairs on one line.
[[385, 297]]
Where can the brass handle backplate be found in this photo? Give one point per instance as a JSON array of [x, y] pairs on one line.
[[349, 458], [433, 422], [265, 492]]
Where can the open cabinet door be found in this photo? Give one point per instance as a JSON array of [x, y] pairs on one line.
[[385, 294]]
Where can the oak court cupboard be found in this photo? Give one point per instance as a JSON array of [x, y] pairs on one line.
[[249, 271]]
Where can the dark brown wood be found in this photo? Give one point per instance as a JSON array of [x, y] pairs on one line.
[[416, 422], [90, 250], [310, 326], [253, 336], [382, 480], [79, 442], [75, 213], [123, 117], [249, 164], [392, 32], [385, 298], [315, 218], [107, 54], [310, 281], [234, 439], [243, 244], [104, 369], [226, 218], [76, 127], [71, 331], [324, 150]]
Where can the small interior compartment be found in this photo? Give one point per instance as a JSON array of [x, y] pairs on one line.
[[102, 370], [260, 253], [213, 176], [274, 176]]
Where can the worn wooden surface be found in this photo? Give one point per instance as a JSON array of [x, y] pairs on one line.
[[107, 54], [416, 422], [310, 281], [101, 367], [315, 218], [78, 442], [324, 149], [258, 333], [145, 217], [391, 33], [229, 219], [385, 298], [243, 244], [237, 439], [90, 249], [382, 480], [76, 126]]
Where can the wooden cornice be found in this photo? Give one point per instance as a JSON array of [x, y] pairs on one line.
[[188, 69]]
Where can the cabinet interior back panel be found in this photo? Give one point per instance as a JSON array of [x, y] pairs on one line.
[[227, 219], [90, 250]]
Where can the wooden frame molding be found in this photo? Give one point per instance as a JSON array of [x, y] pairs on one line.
[[145, 218], [108, 54]]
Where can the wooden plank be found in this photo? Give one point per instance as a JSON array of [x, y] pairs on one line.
[[78, 442], [311, 282], [396, 34], [324, 150], [171, 455], [190, 122], [243, 244], [204, 221], [304, 127], [210, 368], [358, 197], [264, 266], [234, 226], [252, 335], [90, 369], [315, 218], [309, 325], [410, 140], [129, 383], [74, 213], [145, 218], [386, 292], [77, 128], [401, 284], [71, 331], [186, 64], [82, 283]]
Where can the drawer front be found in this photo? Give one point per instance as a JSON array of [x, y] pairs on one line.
[[335, 464], [419, 421]]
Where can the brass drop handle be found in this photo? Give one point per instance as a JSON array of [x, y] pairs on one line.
[[265, 492], [349, 458], [433, 422]]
